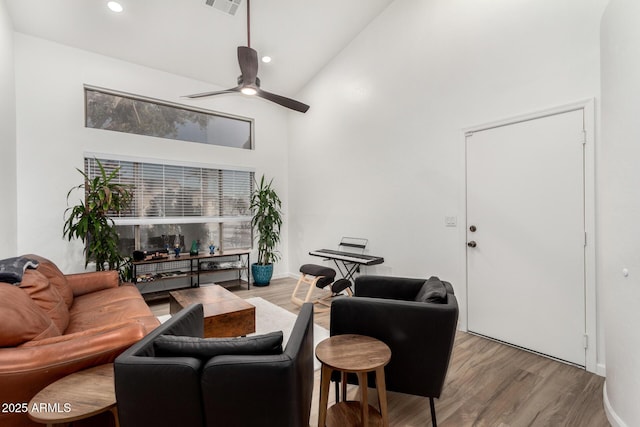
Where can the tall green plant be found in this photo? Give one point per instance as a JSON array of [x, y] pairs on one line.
[[90, 219], [266, 221]]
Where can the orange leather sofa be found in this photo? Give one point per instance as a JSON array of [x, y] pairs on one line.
[[52, 324]]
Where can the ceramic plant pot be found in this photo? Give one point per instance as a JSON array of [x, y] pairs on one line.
[[261, 274]]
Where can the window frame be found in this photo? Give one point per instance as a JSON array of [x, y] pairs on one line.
[[138, 221], [171, 105]]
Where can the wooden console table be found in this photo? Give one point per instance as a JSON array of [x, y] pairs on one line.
[[359, 354], [191, 267]]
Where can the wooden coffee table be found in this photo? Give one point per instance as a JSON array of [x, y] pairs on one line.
[[359, 354], [225, 314], [75, 397]]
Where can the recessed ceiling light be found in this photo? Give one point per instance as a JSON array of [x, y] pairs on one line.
[[266, 59], [115, 6]]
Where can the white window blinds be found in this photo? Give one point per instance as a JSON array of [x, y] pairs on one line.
[[193, 194]]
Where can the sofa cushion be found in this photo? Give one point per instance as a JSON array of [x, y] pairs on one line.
[[113, 305], [37, 286], [432, 291], [12, 269], [21, 318], [55, 276], [206, 348]]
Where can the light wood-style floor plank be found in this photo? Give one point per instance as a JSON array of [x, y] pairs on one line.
[[488, 383]]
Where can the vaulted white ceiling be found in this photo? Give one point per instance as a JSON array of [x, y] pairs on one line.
[[192, 39]]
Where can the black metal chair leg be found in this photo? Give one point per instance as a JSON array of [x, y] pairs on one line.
[[337, 391], [433, 412]]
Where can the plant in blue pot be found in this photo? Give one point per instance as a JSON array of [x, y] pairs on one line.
[[266, 223]]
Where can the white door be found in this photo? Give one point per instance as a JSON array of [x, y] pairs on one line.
[[525, 201]]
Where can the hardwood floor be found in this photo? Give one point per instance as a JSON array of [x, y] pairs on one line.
[[488, 383]]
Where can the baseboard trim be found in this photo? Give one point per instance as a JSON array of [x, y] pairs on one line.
[[612, 416], [281, 276]]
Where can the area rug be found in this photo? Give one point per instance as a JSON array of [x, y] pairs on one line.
[[270, 317]]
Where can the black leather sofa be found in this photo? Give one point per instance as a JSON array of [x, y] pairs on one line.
[[226, 390], [420, 334]]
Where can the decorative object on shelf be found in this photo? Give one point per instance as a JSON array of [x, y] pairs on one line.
[[144, 278], [194, 248], [221, 265], [266, 221], [138, 255], [178, 240], [90, 220], [176, 250], [212, 249], [177, 273], [150, 255]]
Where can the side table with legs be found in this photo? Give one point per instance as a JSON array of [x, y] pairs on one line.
[[356, 354]]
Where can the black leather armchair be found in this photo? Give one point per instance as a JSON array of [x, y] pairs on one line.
[[420, 334], [226, 390]]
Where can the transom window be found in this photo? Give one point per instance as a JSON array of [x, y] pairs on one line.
[[116, 111]]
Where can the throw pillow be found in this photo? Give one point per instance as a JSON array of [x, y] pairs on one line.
[[37, 286], [21, 318], [55, 276], [433, 291], [206, 348], [12, 269]]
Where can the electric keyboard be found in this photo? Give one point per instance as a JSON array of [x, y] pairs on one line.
[[348, 257]]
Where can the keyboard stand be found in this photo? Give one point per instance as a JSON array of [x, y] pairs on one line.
[[348, 263]]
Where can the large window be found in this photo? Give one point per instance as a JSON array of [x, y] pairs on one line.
[[177, 204], [120, 112]]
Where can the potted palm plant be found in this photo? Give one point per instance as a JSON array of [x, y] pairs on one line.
[[90, 220], [266, 222]]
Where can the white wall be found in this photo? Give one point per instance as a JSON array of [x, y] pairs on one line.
[[8, 216], [380, 153], [620, 208], [52, 137]]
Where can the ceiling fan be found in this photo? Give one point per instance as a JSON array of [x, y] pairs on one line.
[[248, 81]]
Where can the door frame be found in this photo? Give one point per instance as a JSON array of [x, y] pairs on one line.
[[588, 105]]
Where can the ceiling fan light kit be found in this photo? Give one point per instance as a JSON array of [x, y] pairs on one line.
[[248, 82]]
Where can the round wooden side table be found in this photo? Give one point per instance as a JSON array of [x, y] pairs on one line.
[[358, 354], [76, 397]]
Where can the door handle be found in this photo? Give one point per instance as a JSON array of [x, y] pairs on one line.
[[472, 244]]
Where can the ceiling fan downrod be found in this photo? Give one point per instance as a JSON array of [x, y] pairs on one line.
[[248, 23]]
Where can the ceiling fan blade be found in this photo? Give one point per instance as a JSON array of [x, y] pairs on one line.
[[217, 92], [248, 60], [284, 101]]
